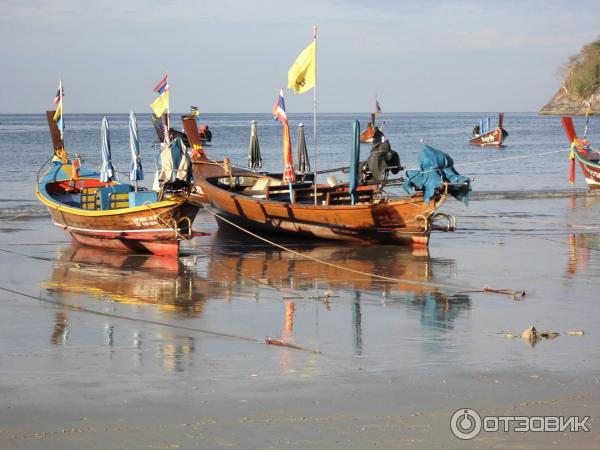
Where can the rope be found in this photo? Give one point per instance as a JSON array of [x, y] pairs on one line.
[[510, 158], [489, 161], [133, 319], [173, 224], [284, 290], [359, 272], [267, 341]]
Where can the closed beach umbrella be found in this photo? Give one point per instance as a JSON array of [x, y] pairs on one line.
[[136, 172], [254, 156], [354, 159], [301, 152], [107, 171]]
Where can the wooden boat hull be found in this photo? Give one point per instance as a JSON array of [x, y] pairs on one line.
[[366, 137], [288, 222], [590, 169], [156, 229], [403, 221], [493, 138]]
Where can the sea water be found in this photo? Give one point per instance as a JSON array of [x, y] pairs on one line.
[[535, 157]]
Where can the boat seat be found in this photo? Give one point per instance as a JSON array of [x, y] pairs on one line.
[[344, 198], [108, 199], [142, 197], [118, 200], [284, 189], [89, 199], [261, 184]]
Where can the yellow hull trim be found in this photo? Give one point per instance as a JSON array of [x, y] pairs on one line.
[[110, 212]]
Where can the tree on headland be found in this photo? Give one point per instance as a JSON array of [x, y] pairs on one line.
[[580, 87], [583, 71]]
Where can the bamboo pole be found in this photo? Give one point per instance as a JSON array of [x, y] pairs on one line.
[[315, 113]]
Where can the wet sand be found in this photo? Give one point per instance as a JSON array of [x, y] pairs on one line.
[[103, 351]]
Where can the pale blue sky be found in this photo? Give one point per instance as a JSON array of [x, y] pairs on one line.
[[233, 56]]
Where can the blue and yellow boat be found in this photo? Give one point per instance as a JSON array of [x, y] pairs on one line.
[[111, 214]]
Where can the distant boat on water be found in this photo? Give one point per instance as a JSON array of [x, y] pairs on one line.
[[484, 136], [372, 134]]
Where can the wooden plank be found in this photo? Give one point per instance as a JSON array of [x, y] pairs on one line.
[[57, 142]]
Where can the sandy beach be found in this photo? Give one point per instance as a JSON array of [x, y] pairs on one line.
[[115, 351]]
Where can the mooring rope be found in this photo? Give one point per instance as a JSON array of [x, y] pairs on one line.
[[510, 158], [268, 340], [293, 292], [449, 287], [473, 163]]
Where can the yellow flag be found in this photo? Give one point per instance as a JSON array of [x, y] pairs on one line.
[[161, 104], [303, 73], [58, 112]]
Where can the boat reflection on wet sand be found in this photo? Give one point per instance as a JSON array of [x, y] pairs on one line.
[[362, 267], [581, 248], [125, 278], [378, 274], [272, 290]]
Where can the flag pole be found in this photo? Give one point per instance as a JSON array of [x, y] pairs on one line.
[[315, 113]]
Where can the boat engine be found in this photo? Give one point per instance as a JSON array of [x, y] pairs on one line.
[[381, 160]]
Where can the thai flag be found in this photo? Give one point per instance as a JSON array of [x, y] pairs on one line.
[[279, 109], [163, 85], [59, 94]]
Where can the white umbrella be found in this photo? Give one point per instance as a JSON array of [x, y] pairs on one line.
[[136, 172], [107, 171]]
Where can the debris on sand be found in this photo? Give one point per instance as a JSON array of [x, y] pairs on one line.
[[532, 335]]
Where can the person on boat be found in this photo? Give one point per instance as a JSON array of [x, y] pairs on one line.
[[476, 130], [205, 133]]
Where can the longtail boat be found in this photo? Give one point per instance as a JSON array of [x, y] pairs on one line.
[[112, 214], [581, 151], [483, 136], [373, 133], [366, 213]]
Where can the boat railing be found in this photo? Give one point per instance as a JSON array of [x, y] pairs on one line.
[[442, 222], [41, 172]]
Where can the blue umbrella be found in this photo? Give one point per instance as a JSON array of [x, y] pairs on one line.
[[136, 172], [355, 159], [107, 171]]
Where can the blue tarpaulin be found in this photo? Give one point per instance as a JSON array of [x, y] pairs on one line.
[[354, 159], [436, 167]]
